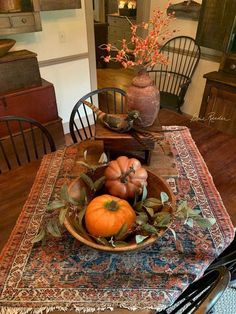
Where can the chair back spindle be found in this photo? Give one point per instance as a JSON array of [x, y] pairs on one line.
[[83, 119], [183, 55], [22, 140], [202, 295]]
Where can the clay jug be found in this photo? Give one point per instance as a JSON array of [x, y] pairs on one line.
[[143, 96]]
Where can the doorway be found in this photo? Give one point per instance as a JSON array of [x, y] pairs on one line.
[[111, 24]]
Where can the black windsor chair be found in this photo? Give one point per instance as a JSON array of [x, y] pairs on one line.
[[173, 80], [22, 140], [202, 295], [228, 259], [82, 119]]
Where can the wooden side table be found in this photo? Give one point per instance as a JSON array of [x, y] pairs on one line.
[[114, 141]]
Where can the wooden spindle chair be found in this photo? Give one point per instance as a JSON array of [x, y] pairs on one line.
[[183, 55], [83, 120], [22, 140]]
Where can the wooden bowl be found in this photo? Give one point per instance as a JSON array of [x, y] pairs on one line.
[[6, 45], [155, 186]]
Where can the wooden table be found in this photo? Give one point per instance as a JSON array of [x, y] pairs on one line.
[[218, 150]]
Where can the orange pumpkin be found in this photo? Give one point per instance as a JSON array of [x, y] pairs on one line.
[[125, 176], [106, 214]]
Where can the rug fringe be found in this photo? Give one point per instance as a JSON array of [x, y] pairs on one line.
[[47, 309]]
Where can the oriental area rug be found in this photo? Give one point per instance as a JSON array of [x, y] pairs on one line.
[[66, 275]]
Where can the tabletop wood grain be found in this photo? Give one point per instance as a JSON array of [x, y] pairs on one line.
[[218, 150]]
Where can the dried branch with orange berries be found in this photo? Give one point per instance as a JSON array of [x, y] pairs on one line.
[[143, 52]]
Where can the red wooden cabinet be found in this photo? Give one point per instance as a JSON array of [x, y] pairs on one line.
[[38, 103]]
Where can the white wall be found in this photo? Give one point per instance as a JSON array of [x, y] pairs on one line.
[[64, 34], [71, 81], [188, 27]]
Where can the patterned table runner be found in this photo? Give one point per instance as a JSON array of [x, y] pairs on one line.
[[67, 275]]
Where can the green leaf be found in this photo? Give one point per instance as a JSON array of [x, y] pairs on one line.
[[81, 215], [121, 233], [103, 159], [112, 242], [80, 229], [138, 206], [84, 164], [136, 194], [174, 233], [72, 201], [185, 211], [144, 195], [62, 215], [140, 238], [39, 236], [164, 197], [192, 213], [150, 211], [55, 205], [83, 196], [182, 205], [87, 180], [204, 222], [189, 222], [98, 184], [80, 221], [212, 220], [179, 246], [149, 228], [141, 218], [152, 202], [162, 219], [120, 243], [44, 241], [102, 241], [52, 228], [64, 192]]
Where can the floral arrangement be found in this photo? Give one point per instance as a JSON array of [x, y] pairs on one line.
[[144, 52]]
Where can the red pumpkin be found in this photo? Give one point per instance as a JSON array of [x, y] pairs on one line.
[[106, 214], [125, 177]]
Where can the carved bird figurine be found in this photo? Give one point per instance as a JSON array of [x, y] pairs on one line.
[[114, 121], [125, 124]]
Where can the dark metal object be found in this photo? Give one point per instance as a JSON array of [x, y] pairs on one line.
[[201, 296], [183, 55], [24, 145], [109, 99]]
